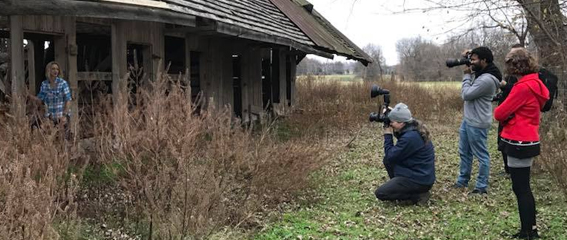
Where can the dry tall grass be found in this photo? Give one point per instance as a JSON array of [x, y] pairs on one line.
[[189, 174], [553, 131], [331, 106], [35, 185]]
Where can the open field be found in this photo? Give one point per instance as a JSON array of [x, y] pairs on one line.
[[354, 78], [337, 77]]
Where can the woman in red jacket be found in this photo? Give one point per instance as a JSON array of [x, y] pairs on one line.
[[519, 114]]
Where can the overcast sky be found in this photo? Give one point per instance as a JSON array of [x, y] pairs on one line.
[[380, 22]]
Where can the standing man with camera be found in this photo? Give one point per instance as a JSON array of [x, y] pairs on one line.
[[477, 92]]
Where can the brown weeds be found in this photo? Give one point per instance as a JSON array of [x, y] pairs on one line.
[[35, 185], [553, 135], [190, 173]]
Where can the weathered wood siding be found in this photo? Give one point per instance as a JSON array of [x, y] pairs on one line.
[[144, 33], [44, 24]]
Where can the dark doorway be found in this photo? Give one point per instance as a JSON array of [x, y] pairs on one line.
[[138, 59], [39, 50], [288, 78], [175, 55], [195, 79], [237, 85], [275, 76], [266, 83], [135, 62]]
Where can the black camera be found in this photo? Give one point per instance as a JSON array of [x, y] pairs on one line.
[[460, 61], [381, 116]]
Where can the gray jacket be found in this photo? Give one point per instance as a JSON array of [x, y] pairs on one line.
[[477, 94]]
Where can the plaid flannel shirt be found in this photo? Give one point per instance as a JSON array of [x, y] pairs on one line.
[[55, 98]]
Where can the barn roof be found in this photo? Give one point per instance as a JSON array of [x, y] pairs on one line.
[[284, 22], [325, 36]]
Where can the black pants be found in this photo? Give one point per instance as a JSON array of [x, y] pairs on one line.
[[504, 156], [526, 203], [400, 188], [505, 159]]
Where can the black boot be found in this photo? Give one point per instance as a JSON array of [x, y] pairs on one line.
[[422, 199], [526, 234]]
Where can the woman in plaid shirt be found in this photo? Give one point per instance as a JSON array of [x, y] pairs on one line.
[[56, 95]]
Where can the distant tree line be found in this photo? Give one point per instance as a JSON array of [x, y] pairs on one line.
[[423, 60], [419, 59], [374, 70]]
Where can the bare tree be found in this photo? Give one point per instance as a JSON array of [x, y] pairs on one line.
[[376, 68]]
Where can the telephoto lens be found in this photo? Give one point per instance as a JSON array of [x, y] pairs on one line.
[[457, 62]]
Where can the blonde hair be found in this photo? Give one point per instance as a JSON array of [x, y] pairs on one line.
[[48, 69], [519, 61]]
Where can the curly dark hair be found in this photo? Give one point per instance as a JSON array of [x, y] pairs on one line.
[[519, 61]]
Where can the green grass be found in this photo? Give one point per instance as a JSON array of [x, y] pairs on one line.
[[344, 206]]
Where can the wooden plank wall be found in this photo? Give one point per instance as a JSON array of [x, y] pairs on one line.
[[44, 24], [146, 33], [251, 82], [216, 71]]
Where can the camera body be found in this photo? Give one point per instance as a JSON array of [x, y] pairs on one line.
[[381, 116], [459, 61]]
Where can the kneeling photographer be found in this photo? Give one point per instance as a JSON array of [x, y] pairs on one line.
[[410, 162]]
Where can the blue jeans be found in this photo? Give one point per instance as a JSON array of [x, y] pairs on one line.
[[472, 142]]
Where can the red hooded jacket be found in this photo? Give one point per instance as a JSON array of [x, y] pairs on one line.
[[522, 108]]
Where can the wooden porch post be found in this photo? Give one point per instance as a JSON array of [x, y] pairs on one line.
[[292, 77], [70, 28], [187, 78], [118, 62], [17, 66]]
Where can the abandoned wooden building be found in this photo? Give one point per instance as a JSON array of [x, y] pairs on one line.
[[239, 53]]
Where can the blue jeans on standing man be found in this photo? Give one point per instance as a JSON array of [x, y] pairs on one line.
[[473, 142]]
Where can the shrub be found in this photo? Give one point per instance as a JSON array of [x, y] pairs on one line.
[[35, 186], [189, 173], [553, 131]]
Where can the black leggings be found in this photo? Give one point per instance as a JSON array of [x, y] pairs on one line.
[[526, 203]]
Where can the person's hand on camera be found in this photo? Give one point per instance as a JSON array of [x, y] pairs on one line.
[[388, 130]]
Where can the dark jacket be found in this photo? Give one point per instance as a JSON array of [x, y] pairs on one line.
[[506, 89], [411, 157]]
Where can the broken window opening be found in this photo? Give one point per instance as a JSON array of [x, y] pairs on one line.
[[175, 55]]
